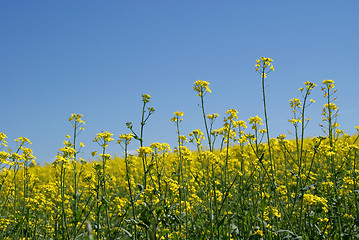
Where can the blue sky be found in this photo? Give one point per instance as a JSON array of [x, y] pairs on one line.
[[97, 58]]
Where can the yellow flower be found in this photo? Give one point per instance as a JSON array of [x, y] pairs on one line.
[[177, 116], [309, 199], [3, 139], [332, 106], [146, 98], [329, 83], [196, 136], [281, 137], [125, 137], [295, 102], [105, 156], [23, 140], [232, 114], [77, 118], [68, 151], [258, 232], [2, 136], [309, 85], [262, 64], [201, 87], [256, 120], [212, 116], [293, 120], [144, 151], [183, 138], [103, 138]]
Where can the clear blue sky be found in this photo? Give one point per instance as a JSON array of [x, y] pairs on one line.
[[97, 58]]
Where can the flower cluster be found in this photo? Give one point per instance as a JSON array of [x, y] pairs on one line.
[[146, 98], [103, 138], [201, 87], [177, 117], [262, 66], [144, 151]]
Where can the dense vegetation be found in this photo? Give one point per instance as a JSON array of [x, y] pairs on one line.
[[246, 186]]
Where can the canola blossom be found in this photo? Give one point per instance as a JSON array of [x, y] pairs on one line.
[[224, 181]]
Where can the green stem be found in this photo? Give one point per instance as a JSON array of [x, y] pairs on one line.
[[267, 127], [180, 174], [75, 216], [130, 190], [205, 124]]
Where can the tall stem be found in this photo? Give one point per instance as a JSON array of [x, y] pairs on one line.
[[75, 220], [105, 190], [205, 124], [267, 127], [130, 191], [180, 173]]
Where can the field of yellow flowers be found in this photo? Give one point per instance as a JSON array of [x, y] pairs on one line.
[[239, 183]]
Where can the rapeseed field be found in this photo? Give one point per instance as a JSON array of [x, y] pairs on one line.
[[239, 183]]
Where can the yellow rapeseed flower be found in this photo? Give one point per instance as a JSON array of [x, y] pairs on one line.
[[262, 64], [258, 232], [201, 87], [212, 116], [146, 98], [144, 151], [76, 118], [177, 116], [125, 138], [103, 138], [295, 102]]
